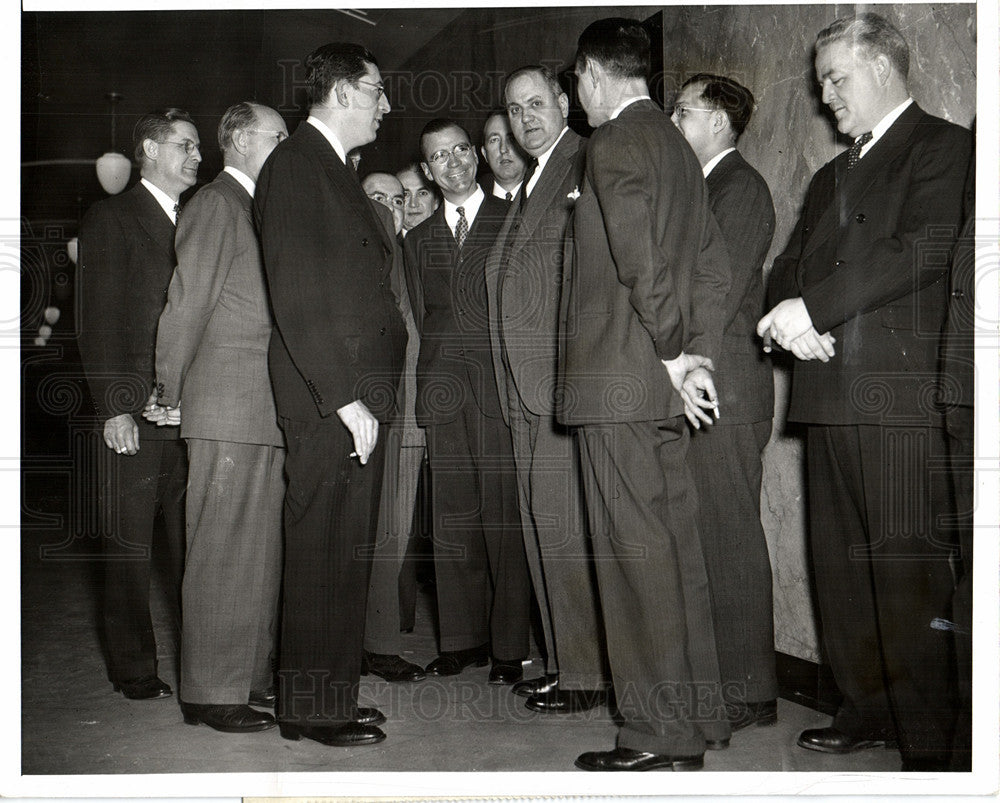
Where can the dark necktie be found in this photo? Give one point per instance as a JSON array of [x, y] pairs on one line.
[[177, 214], [461, 228], [528, 173], [854, 153], [508, 197]]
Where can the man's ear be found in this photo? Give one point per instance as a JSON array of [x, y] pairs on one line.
[[241, 140], [338, 92], [151, 148], [883, 68], [427, 171]]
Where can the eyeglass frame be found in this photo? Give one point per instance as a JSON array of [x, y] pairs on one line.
[[442, 156], [280, 135], [379, 87], [189, 145], [684, 108]]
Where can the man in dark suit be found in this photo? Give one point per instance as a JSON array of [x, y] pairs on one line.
[[335, 357], [126, 261], [642, 314], [860, 299], [504, 156], [712, 112], [483, 590], [211, 352], [522, 283]]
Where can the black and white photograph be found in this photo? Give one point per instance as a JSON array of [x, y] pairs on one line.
[[506, 400]]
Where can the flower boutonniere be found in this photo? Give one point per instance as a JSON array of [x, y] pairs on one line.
[[574, 195]]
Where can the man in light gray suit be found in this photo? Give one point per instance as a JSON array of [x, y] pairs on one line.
[[211, 351], [523, 276]]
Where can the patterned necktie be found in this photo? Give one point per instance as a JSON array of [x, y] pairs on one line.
[[177, 214], [509, 197], [461, 228], [854, 154], [528, 173]]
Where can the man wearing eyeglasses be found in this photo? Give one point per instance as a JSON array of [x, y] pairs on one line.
[[211, 352], [479, 562], [712, 111], [504, 156], [126, 261], [336, 356]]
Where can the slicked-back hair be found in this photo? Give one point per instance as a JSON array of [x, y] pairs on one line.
[[619, 44], [157, 126], [726, 95], [496, 111], [238, 117], [334, 62], [873, 34], [436, 126], [549, 77]]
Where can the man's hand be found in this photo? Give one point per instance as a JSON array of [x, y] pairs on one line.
[[698, 393], [121, 433], [678, 368], [363, 427], [787, 321], [160, 415], [813, 346]]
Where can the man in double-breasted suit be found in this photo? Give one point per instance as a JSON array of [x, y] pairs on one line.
[[336, 357], [860, 297], [523, 275], [711, 112], [126, 261], [483, 589], [642, 314], [211, 353]]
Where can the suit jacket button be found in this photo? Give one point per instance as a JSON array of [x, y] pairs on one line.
[[957, 294], [839, 263], [364, 241], [381, 331], [861, 217]]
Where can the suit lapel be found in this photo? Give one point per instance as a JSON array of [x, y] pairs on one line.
[[153, 219], [849, 187], [556, 168]]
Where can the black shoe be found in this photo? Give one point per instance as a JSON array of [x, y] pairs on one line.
[[831, 740], [560, 701], [149, 687], [742, 715], [227, 718], [350, 734], [716, 744], [265, 698], [369, 716], [391, 667], [504, 673], [621, 759], [453, 662], [542, 685]]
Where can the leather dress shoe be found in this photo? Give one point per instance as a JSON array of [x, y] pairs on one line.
[[743, 715], [504, 673], [350, 734], [561, 701], [369, 716], [149, 687], [227, 718], [265, 698], [831, 740], [453, 662], [541, 685], [392, 668], [622, 759]]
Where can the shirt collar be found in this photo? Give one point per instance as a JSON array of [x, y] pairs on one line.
[[500, 192], [711, 163], [245, 181], [324, 129], [164, 200], [885, 124], [470, 205], [625, 104]]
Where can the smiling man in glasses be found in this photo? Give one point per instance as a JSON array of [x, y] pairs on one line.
[[126, 261], [336, 356], [211, 352], [482, 576]]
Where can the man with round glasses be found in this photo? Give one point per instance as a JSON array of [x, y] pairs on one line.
[[479, 562]]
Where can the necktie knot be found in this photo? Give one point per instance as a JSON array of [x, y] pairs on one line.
[[461, 228], [854, 154], [508, 196], [177, 213]]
